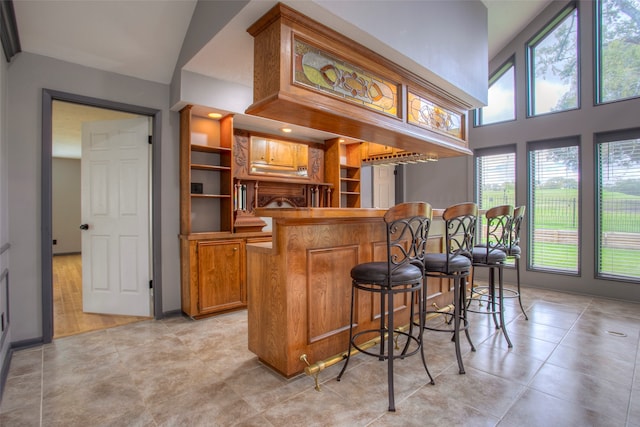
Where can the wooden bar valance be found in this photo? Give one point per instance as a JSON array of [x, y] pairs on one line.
[[307, 74]]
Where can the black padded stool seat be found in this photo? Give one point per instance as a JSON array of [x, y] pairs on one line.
[[376, 272], [481, 255], [454, 264], [492, 255], [407, 226]]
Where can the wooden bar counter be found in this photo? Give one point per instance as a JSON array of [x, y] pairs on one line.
[[299, 287]]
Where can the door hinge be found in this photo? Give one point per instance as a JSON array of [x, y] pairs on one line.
[[150, 284], [150, 139]]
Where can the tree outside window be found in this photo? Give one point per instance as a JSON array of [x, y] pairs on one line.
[[553, 66], [618, 53]]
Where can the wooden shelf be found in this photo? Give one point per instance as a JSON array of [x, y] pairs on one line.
[[350, 167], [210, 149], [211, 168], [211, 196]]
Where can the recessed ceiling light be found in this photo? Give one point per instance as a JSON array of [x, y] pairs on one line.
[[286, 130], [214, 115]]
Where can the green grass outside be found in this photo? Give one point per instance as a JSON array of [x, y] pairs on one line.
[[619, 262]]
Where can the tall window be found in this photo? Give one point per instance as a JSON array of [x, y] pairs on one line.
[[552, 57], [502, 97], [495, 179], [554, 200], [618, 205], [618, 49]]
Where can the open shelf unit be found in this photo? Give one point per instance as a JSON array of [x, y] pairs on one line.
[[342, 169], [205, 173]]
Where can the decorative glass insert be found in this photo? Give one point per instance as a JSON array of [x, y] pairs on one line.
[[426, 114], [553, 65], [618, 53], [502, 97], [554, 198], [325, 73], [618, 205]]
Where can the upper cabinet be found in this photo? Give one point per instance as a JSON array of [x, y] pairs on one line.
[[309, 75]]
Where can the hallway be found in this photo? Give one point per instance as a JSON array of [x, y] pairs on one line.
[[574, 363]]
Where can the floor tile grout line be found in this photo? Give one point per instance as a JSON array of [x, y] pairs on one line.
[[633, 376]]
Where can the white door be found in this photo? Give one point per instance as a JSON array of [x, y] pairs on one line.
[[384, 186], [115, 217]]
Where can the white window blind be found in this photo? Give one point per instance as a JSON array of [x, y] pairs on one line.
[[554, 196], [495, 182], [618, 209]]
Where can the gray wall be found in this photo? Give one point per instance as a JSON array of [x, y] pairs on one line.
[[584, 122], [5, 336], [29, 74], [65, 205]]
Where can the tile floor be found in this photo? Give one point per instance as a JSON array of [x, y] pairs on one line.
[[565, 369]]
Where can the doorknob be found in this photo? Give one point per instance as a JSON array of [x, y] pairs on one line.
[[84, 226]]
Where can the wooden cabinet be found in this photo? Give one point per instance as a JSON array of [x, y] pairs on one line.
[[212, 256], [220, 282], [342, 169], [213, 276]]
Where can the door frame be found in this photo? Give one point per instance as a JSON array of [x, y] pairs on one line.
[[48, 96]]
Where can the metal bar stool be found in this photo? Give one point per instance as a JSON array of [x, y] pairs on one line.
[[492, 254], [454, 264], [514, 251], [407, 227]]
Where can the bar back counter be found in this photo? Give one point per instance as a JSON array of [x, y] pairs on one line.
[[299, 285]]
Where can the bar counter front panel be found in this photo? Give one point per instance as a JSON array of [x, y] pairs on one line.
[[299, 285]]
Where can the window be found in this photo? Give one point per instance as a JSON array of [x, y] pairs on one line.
[[618, 205], [554, 200], [552, 65], [502, 97], [618, 49], [495, 178]]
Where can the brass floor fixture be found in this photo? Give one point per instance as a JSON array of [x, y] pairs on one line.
[[314, 369]]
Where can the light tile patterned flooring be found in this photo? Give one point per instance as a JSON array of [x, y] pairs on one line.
[[565, 369]]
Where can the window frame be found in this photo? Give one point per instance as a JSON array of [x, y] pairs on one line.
[[497, 75], [601, 138], [530, 45], [547, 144]]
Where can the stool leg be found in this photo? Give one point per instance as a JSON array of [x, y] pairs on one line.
[[422, 295], [456, 322], [492, 295], [501, 300], [346, 362], [463, 298], [517, 261], [392, 404]]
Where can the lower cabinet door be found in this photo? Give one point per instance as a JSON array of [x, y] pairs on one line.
[[220, 280]]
